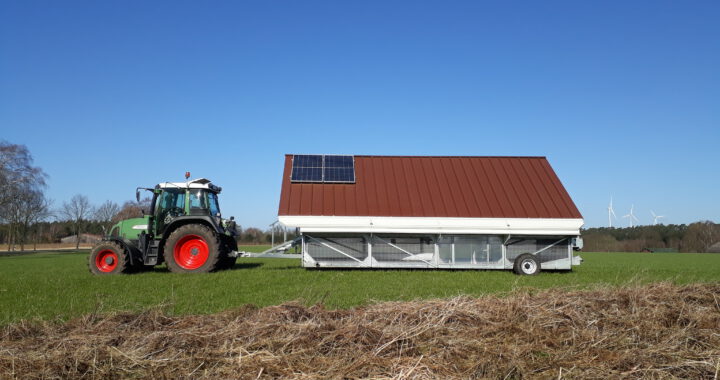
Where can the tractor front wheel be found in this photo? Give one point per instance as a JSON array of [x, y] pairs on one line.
[[109, 258], [192, 248]]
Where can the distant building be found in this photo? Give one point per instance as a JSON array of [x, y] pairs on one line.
[[84, 239], [715, 248]]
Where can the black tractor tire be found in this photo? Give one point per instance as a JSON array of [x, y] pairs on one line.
[[192, 248], [109, 257], [526, 265]]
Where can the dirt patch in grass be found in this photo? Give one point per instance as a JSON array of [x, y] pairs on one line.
[[657, 331]]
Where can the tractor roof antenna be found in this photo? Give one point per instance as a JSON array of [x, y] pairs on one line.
[[631, 216], [611, 214], [655, 217]]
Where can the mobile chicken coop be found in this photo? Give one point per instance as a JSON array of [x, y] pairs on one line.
[[430, 212]]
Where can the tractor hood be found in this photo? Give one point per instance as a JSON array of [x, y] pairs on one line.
[[130, 228]]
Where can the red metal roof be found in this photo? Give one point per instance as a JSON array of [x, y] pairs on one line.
[[426, 186]]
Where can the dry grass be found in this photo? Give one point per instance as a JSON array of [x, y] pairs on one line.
[[657, 331]]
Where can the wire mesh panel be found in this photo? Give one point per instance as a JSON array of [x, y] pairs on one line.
[[336, 249], [477, 249], [445, 250], [517, 247], [469, 249], [403, 251], [558, 251]]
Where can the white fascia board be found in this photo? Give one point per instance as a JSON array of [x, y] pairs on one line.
[[384, 224], [200, 183], [182, 185]]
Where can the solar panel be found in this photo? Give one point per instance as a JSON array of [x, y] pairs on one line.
[[307, 168], [339, 175], [323, 168], [308, 161], [338, 161], [307, 174]]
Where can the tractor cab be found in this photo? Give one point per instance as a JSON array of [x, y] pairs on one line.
[[176, 200]]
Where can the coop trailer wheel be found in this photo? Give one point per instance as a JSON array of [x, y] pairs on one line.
[[527, 264], [192, 248]]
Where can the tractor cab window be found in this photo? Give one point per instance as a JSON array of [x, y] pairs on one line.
[[169, 205], [171, 200]]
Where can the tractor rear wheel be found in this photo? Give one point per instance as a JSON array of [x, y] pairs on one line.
[[109, 258], [192, 248]]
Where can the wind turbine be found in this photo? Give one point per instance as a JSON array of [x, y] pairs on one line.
[[631, 215], [655, 217], [611, 214]]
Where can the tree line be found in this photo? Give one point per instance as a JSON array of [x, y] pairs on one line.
[[694, 237], [28, 217]]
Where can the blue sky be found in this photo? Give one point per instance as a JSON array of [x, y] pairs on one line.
[[623, 97]]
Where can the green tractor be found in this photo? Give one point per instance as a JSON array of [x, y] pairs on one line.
[[183, 229]]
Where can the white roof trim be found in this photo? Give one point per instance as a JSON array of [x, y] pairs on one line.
[[199, 183], [384, 224]]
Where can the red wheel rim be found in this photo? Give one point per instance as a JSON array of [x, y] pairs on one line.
[[106, 260], [191, 252]]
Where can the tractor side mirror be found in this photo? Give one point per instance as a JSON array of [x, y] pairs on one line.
[[137, 195]]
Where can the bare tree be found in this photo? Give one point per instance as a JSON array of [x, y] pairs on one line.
[[106, 212], [10, 213], [252, 235], [700, 236], [17, 171], [24, 207], [132, 209], [77, 211], [34, 207], [18, 179]]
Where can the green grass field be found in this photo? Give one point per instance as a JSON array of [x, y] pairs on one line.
[[59, 286]]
